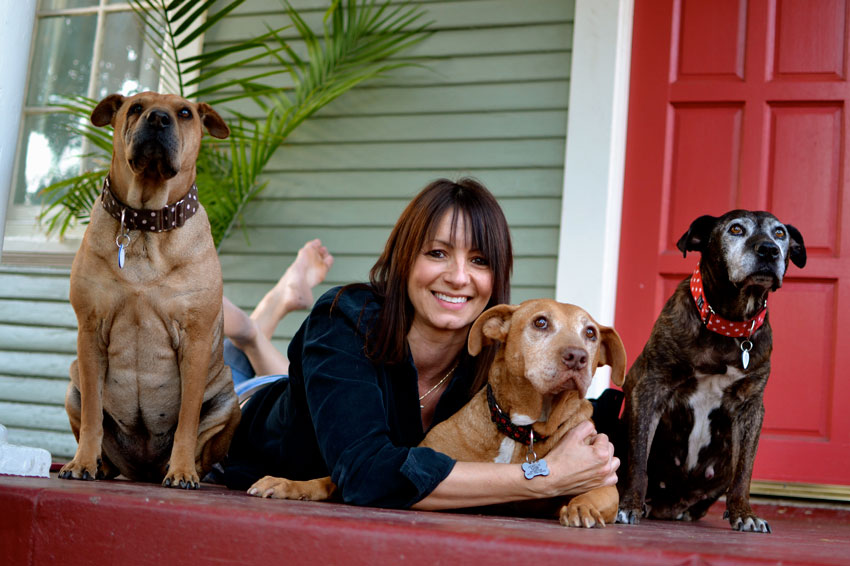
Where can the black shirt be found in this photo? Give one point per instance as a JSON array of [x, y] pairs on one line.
[[342, 415]]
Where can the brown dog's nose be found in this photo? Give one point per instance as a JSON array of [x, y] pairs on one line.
[[574, 358], [159, 119]]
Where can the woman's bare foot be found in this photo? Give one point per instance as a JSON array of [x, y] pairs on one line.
[[294, 290]]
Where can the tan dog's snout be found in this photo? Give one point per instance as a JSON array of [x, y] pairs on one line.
[[574, 358]]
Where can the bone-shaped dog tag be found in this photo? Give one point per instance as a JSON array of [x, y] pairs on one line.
[[535, 468]]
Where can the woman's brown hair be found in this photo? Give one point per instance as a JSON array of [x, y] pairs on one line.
[[488, 232]]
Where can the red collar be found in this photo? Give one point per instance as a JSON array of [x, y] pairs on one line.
[[520, 433], [717, 323]]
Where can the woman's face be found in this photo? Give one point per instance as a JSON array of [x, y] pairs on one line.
[[450, 283]]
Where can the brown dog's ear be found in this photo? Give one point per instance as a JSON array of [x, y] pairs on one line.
[[797, 249], [696, 238], [214, 123], [105, 111], [612, 352], [492, 326]]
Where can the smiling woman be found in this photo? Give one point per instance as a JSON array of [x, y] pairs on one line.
[[376, 365]]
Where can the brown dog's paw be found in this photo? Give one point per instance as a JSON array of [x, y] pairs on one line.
[[748, 522], [184, 479], [281, 488], [581, 515], [78, 469]]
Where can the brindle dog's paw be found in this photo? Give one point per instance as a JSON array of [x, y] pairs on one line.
[[748, 523], [78, 469], [183, 479], [581, 515]]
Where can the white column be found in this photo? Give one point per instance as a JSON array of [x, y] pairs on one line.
[[16, 26], [593, 173]]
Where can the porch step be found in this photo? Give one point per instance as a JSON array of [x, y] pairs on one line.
[[52, 521]]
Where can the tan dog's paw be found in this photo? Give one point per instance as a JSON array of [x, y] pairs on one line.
[[185, 478], [280, 488], [81, 469], [577, 514]]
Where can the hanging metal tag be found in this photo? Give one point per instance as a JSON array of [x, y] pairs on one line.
[[122, 240], [746, 346], [532, 466]]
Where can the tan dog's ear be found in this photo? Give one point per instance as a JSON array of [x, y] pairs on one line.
[[612, 352], [214, 123], [105, 111], [492, 326]]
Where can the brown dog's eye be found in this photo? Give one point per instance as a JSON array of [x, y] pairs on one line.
[[185, 113], [779, 233], [541, 323], [736, 230], [590, 334], [135, 109]]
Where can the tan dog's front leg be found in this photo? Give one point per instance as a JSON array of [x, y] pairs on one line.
[[90, 371], [595, 508], [194, 360], [320, 489]]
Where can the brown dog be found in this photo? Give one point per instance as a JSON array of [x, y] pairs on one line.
[[150, 396], [694, 405], [548, 354]]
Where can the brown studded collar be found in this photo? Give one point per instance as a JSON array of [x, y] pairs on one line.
[[162, 220]]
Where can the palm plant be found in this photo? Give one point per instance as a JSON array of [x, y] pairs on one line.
[[358, 42]]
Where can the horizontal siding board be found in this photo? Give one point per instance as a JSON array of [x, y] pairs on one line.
[[36, 364], [61, 445], [325, 184], [38, 313], [370, 100], [435, 127], [445, 154], [37, 339], [33, 390], [35, 285], [41, 417], [384, 212], [530, 241]]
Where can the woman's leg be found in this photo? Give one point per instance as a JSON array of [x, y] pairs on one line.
[[252, 334]]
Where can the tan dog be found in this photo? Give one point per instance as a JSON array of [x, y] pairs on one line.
[[548, 354], [150, 396]]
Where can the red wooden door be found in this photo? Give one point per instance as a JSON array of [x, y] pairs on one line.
[[738, 104]]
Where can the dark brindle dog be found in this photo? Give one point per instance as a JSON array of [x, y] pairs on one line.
[[694, 405]]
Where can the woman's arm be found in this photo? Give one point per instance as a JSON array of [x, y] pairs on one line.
[[581, 461]]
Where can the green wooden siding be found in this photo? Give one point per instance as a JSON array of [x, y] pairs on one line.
[[490, 103]]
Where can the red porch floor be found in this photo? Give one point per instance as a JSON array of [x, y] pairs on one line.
[[51, 521]]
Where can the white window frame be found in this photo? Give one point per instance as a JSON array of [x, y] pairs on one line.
[[24, 241]]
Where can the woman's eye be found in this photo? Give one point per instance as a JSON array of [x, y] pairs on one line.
[[436, 253], [736, 230], [779, 233], [541, 323], [590, 334], [482, 261]]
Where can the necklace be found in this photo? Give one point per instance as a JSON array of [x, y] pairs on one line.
[[439, 383]]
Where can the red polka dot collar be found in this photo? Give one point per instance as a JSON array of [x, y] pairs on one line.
[[717, 323], [162, 220]]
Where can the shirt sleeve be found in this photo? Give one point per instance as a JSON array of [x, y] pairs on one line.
[[348, 407]]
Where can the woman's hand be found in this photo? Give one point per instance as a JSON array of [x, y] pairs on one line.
[[582, 460]]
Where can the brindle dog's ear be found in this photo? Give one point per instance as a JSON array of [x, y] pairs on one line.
[[492, 326], [105, 111], [797, 249], [696, 238], [612, 352], [214, 124]]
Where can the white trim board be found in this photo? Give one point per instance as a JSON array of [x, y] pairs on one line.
[[588, 250]]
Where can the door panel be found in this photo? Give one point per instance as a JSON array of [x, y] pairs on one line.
[[744, 104]]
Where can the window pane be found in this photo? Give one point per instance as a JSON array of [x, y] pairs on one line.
[[128, 65], [49, 153], [62, 61], [62, 4]]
